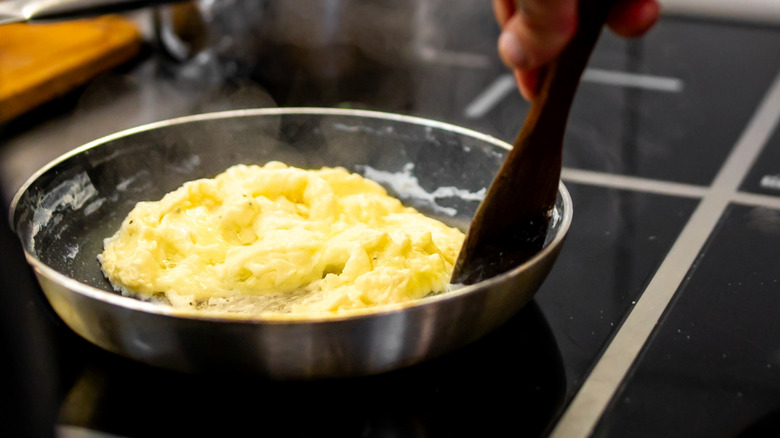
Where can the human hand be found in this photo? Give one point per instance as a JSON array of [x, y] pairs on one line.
[[535, 32]]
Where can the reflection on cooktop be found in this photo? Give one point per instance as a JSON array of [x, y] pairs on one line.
[[511, 381], [764, 178]]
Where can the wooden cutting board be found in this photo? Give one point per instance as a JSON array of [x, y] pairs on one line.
[[41, 61]]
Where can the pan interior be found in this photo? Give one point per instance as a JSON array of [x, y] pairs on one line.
[[66, 211]]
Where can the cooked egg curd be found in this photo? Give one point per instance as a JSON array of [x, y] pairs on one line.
[[325, 240]]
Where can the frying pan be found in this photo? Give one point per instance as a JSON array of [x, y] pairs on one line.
[[64, 211]]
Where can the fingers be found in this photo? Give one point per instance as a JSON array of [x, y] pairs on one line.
[[633, 18], [534, 32], [527, 82], [537, 31], [503, 10]]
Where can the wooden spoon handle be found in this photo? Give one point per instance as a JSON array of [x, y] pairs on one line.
[[510, 224]]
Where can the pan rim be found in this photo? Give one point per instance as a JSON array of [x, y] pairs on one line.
[[131, 303]]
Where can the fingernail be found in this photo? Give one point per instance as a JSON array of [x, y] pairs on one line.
[[511, 50]]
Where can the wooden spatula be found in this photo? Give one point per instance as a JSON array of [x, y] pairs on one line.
[[511, 223]]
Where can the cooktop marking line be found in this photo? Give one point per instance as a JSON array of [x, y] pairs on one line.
[[588, 405], [453, 58], [633, 80], [759, 11], [504, 84], [754, 200], [490, 97], [647, 185], [627, 182]]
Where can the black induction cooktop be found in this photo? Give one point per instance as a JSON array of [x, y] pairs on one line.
[[660, 317]]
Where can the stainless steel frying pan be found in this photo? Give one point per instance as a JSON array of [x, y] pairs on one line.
[[63, 213]]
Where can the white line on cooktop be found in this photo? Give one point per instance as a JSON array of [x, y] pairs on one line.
[[753, 200], [760, 11], [454, 58], [632, 183], [646, 185], [584, 412], [490, 97], [633, 80], [505, 84]]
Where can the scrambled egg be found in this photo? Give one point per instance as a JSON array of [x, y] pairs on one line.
[[325, 240]]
